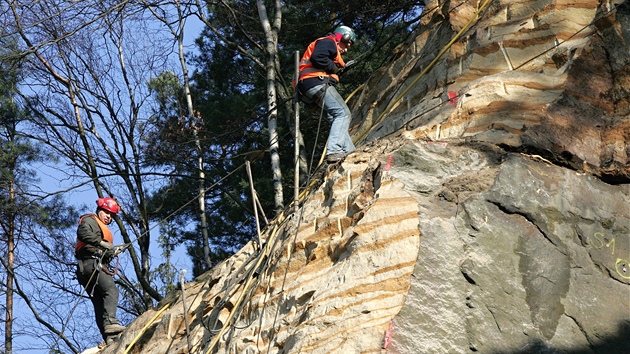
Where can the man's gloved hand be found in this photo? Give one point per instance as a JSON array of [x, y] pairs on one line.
[[119, 249], [345, 68], [106, 245]]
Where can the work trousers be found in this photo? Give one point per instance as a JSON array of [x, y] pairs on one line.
[[338, 114], [102, 291]]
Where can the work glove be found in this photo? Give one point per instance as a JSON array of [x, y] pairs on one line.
[[345, 68], [109, 250], [119, 249], [106, 245]]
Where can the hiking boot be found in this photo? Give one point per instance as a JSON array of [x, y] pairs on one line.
[[113, 328], [336, 157]]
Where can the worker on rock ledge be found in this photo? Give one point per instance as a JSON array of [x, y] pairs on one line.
[[94, 250], [318, 74]]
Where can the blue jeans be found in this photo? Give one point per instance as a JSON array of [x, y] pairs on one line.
[[338, 114]]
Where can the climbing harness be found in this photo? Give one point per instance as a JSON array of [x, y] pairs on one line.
[[317, 96]]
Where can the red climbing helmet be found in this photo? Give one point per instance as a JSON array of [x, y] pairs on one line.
[[109, 204]]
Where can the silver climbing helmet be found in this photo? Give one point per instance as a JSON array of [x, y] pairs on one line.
[[347, 34]]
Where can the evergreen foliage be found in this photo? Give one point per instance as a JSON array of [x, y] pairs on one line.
[[229, 97], [31, 228], [87, 98]]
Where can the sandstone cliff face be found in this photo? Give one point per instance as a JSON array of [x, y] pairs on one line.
[[545, 76], [486, 210]]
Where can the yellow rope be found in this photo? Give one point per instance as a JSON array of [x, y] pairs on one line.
[[429, 67], [261, 257], [354, 92], [145, 328], [389, 107]]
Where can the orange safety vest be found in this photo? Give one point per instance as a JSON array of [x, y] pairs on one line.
[[307, 70], [107, 234]]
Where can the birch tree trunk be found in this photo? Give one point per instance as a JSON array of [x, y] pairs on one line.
[[271, 46]]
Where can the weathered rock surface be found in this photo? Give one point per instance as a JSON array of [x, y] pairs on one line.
[[328, 278], [545, 76], [487, 209], [521, 257]]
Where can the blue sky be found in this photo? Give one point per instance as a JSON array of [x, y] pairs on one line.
[[83, 199]]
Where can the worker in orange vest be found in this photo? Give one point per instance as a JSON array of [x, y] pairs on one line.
[[318, 74], [94, 249]]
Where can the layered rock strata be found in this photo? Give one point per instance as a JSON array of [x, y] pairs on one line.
[[330, 278], [545, 77], [487, 209]]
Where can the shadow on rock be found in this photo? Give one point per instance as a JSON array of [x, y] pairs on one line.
[[615, 344]]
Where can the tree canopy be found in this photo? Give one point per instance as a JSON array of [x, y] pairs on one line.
[[113, 111], [229, 90]]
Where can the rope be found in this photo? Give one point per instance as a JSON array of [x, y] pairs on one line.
[[264, 252], [184, 205], [603, 15], [149, 323], [260, 258], [428, 68], [286, 270], [96, 271], [319, 124], [247, 285]]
